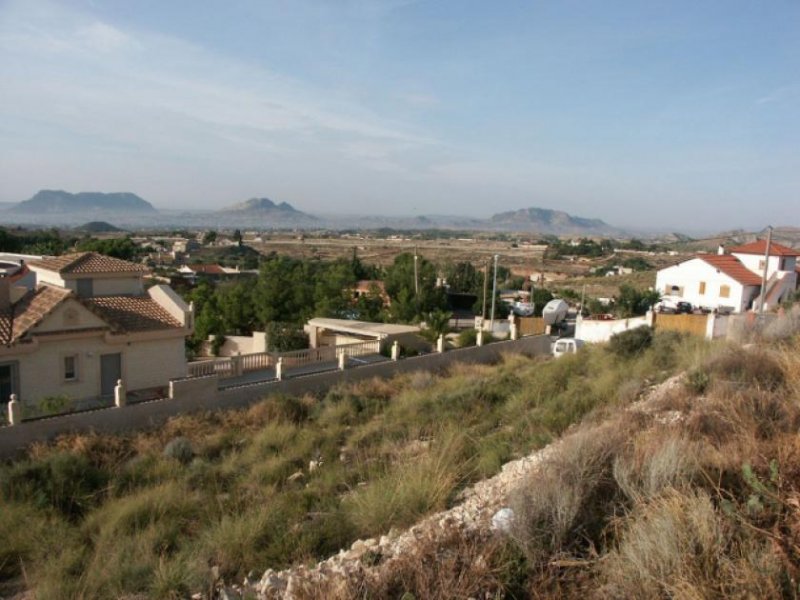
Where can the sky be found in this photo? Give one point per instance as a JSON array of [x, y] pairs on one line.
[[680, 115]]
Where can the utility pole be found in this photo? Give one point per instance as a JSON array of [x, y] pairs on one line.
[[494, 292], [764, 273], [416, 273], [485, 285], [416, 280], [583, 295]]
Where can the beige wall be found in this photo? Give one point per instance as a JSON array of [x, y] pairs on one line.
[[118, 286], [70, 315], [145, 364], [51, 277], [103, 286]]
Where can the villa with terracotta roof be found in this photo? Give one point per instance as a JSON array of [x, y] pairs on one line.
[[731, 281], [88, 323]]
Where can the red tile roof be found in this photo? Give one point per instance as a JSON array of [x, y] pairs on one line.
[[732, 267], [760, 247], [123, 314], [87, 263], [29, 311], [128, 314]]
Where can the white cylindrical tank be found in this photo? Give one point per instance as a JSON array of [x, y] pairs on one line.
[[554, 311]]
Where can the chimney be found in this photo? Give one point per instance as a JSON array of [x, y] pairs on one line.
[[721, 249], [5, 293]]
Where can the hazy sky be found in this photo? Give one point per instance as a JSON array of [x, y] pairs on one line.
[[675, 114]]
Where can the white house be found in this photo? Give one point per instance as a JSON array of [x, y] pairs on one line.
[[88, 323], [732, 282]]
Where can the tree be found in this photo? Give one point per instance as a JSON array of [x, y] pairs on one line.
[[285, 337], [284, 291], [210, 237], [236, 307], [540, 297], [237, 237], [407, 304], [123, 248], [333, 289], [631, 302], [464, 278], [369, 306], [438, 322]]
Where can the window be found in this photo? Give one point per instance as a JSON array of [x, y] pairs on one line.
[[702, 289], [70, 368], [85, 288], [724, 291], [761, 265]]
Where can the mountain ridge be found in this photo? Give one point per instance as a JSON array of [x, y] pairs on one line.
[[60, 201], [546, 220]]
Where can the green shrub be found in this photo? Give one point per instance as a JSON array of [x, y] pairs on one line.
[[410, 490], [565, 506], [632, 342], [28, 537], [741, 367], [53, 405], [179, 449], [697, 380], [64, 481], [469, 337]]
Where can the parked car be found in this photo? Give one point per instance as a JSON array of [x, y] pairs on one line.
[[566, 346], [668, 304]]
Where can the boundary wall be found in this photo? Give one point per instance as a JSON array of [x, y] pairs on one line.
[[203, 393]]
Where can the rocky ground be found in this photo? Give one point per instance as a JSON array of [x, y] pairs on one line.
[[481, 512]]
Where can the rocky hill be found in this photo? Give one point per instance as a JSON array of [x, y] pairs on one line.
[[263, 212], [98, 227], [265, 206], [547, 221], [59, 201]]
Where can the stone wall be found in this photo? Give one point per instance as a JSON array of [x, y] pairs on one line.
[[200, 394]]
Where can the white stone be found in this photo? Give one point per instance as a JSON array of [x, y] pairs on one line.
[[503, 520]]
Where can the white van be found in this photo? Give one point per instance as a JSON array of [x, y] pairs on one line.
[[566, 346]]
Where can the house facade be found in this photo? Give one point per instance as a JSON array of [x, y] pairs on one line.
[[88, 323], [731, 282]]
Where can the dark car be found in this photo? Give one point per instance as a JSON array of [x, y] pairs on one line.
[[683, 307]]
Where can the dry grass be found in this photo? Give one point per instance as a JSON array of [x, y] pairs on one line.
[[564, 506], [705, 505], [459, 566], [134, 521]]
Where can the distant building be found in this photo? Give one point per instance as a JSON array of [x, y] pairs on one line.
[[365, 287], [732, 281], [208, 271], [88, 323], [336, 332]]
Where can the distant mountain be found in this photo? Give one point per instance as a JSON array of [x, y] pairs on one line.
[[547, 221], [266, 206], [98, 227], [59, 201], [265, 212]]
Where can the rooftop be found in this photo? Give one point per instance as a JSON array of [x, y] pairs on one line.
[[732, 267], [760, 247], [363, 327], [130, 314], [123, 314], [29, 312], [80, 263]]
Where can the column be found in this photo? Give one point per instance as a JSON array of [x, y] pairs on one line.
[[120, 394]]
